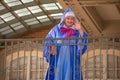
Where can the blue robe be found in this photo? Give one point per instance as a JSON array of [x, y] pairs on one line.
[[65, 65]]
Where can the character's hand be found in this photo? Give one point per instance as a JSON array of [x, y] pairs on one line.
[[53, 49], [78, 25]]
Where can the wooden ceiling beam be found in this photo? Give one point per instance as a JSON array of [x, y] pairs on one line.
[[118, 8], [98, 3], [95, 18]]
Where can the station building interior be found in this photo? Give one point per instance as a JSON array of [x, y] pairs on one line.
[[24, 25]]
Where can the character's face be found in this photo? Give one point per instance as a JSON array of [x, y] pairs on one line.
[[69, 21]]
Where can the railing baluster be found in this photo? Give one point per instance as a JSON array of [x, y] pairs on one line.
[[93, 67], [81, 44], [5, 55], [24, 65], [55, 60], [49, 61], [101, 69], [68, 45], [74, 60], [30, 75], [18, 49], [11, 61], [43, 70], [37, 60], [86, 64], [113, 59], [106, 65]]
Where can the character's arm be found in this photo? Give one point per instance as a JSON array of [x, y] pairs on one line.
[[82, 44], [49, 44]]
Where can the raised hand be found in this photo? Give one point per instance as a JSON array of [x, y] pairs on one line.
[[79, 27]]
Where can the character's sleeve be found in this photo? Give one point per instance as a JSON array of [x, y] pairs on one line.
[[84, 42], [82, 47], [47, 42]]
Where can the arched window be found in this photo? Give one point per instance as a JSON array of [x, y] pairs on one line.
[[24, 68], [18, 68], [102, 67], [94, 67]]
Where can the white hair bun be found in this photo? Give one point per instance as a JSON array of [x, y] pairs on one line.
[[69, 14]]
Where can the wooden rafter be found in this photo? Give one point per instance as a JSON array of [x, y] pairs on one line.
[[98, 3]]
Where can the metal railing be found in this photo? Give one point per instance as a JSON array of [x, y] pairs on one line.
[[22, 59]]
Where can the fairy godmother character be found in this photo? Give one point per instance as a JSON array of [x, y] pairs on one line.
[[64, 55]]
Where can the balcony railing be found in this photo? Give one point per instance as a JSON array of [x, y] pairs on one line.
[[22, 59]]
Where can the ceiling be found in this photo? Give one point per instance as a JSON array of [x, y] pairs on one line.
[[98, 17], [18, 17]]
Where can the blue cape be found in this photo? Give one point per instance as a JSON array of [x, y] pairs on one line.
[[65, 65]]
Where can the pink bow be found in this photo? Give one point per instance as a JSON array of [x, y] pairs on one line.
[[69, 31]]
